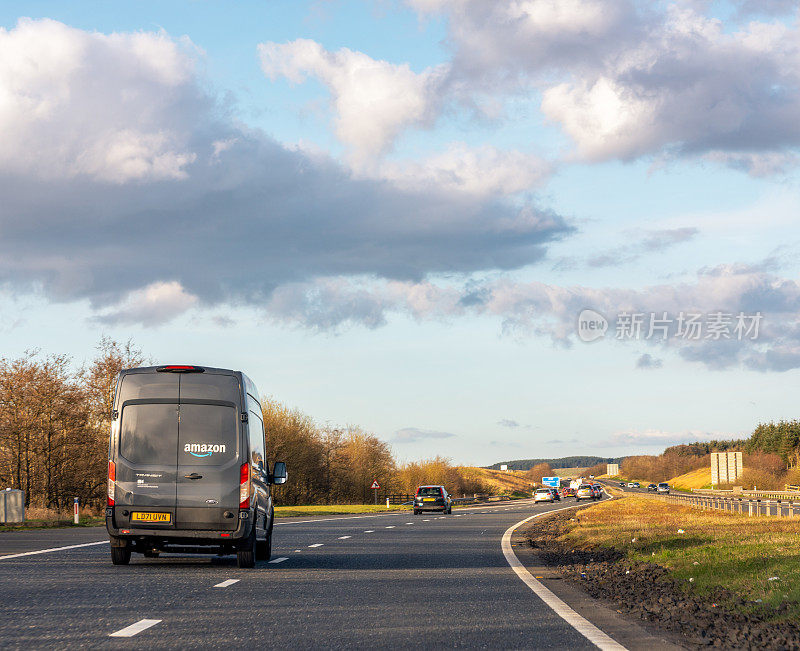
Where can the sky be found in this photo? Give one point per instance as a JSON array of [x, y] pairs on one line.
[[489, 231]]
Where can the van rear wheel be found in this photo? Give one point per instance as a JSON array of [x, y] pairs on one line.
[[120, 555], [246, 555]]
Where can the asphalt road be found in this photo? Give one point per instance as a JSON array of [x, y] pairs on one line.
[[388, 580]]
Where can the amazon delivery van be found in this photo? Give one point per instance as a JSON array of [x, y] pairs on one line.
[[186, 468]]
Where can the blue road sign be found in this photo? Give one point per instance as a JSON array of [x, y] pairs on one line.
[[553, 482]]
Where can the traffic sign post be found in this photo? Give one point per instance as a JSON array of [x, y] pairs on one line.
[[376, 487]]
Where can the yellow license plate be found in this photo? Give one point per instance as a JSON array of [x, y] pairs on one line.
[[151, 517], [428, 499]]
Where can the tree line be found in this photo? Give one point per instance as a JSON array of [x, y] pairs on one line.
[[55, 423]]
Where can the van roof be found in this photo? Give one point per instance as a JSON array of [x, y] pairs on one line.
[[250, 386]]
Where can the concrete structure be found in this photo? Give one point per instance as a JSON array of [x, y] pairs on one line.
[[504, 467], [726, 467], [12, 506], [612, 469]]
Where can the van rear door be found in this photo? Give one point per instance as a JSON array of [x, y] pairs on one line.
[[208, 465]]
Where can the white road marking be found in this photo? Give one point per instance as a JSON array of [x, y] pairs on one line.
[[317, 545], [390, 527], [583, 626], [52, 549], [458, 515], [343, 537], [133, 629], [298, 550], [370, 531], [409, 523], [279, 560], [426, 520], [226, 583]]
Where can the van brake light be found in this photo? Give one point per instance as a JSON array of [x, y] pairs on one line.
[[112, 476], [244, 486], [180, 368]]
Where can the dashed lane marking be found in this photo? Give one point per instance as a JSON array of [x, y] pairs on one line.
[[409, 523], [317, 545], [134, 629], [226, 583], [370, 531], [391, 526], [52, 549], [343, 537], [275, 561]]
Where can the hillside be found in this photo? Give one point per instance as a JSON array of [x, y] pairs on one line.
[[563, 462], [700, 478], [500, 481]]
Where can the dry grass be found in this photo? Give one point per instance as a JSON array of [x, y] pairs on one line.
[[700, 478], [716, 549], [500, 480]]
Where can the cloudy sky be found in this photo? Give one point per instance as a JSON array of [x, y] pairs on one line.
[[392, 213]]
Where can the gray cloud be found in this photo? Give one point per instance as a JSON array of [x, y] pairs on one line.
[[179, 193], [415, 434], [507, 422], [653, 242], [647, 361]]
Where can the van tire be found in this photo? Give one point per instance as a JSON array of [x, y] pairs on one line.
[[246, 556], [120, 555], [264, 548]]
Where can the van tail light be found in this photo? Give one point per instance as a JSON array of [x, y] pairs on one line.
[[112, 476], [244, 486]]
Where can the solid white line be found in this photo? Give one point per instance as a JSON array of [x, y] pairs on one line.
[[279, 560], [580, 624], [343, 537], [133, 629], [53, 549], [317, 545], [226, 583]]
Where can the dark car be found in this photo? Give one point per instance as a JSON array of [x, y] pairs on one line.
[[432, 498], [556, 494], [652, 487], [622, 484], [186, 468]]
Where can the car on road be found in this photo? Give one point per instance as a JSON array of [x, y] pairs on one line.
[[652, 487], [622, 484], [598, 491], [543, 495], [556, 494], [186, 467], [663, 487], [432, 498], [584, 492], [633, 484]]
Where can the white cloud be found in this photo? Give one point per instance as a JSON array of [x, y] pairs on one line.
[[661, 438], [155, 304], [482, 171], [76, 103], [373, 100], [415, 434]]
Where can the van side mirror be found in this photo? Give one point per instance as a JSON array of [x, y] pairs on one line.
[[279, 475]]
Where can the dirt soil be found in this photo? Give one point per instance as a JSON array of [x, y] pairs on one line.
[[647, 591]]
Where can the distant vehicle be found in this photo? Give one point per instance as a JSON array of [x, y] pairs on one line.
[[585, 492], [186, 466], [591, 476], [543, 495], [622, 484], [652, 487], [663, 487], [636, 484], [633, 484], [556, 494], [598, 491], [432, 498]]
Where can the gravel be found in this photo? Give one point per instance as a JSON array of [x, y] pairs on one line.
[[648, 591]]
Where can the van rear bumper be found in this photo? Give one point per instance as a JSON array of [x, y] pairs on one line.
[[179, 536]]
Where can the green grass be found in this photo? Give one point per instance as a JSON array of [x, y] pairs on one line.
[[51, 524], [334, 509], [717, 549]]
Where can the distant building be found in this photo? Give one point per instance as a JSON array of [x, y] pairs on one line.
[[612, 469], [504, 467], [726, 467]]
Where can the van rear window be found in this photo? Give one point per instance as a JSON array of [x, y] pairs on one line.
[[149, 434], [430, 491], [208, 435]]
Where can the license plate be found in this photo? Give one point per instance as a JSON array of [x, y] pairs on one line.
[[151, 517], [428, 499]]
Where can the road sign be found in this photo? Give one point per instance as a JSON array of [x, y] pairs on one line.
[[553, 482], [375, 485]]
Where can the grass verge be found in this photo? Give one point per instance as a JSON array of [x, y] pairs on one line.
[[52, 524], [334, 509], [756, 558]]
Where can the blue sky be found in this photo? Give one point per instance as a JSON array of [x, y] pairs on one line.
[[390, 214]]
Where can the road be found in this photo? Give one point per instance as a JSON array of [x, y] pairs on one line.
[[382, 580]]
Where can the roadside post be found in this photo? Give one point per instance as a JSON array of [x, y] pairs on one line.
[[376, 487], [76, 517]]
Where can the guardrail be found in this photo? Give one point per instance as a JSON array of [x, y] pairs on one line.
[[771, 495], [757, 507]]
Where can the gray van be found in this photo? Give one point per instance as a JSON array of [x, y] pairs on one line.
[[186, 469]]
